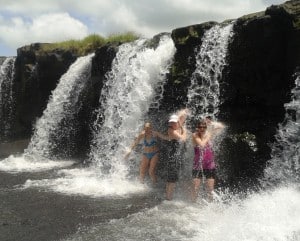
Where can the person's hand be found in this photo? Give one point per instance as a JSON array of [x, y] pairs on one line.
[[184, 112], [182, 116]]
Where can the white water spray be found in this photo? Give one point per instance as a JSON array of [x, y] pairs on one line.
[[7, 73], [284, 166], [204, 91], [267, 216], [62, 104], [137, 71]]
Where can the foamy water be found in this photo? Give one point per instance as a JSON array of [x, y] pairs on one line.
[[14, 164], [87, 182], [266, 216]]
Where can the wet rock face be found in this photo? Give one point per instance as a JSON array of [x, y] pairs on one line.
[[90, 98], [186, 40], [37, 74], [258, 81]]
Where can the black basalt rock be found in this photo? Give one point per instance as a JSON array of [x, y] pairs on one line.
[[257, 81], [90, 99], [37, 74], [186, 40]]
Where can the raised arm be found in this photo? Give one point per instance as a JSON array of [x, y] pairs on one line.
[[182, 114], [161, 136], [175, 134], [216, 127]]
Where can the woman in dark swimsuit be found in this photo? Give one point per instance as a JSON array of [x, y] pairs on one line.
[[177, 135], [150, 152]]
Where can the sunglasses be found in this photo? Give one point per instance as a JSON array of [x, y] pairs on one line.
[[202, 127]]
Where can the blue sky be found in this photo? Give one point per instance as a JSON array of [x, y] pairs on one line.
[[29, 21]]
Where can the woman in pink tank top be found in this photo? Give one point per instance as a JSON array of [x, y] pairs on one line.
[[204, 166]]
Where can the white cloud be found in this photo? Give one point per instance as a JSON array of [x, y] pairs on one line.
[[29, 6], [26, 21], [155, 16], [19, 31]]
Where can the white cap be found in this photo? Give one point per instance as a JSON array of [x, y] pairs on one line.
[[174, 118]]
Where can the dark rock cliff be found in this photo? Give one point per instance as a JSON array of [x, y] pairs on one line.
[[186, 40], [36, 75], [101, 64], [262, 57]]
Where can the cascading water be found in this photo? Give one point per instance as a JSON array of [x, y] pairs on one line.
[[62, 104], [284, 166], [7, 72], [204, 92], [132, 87], [137, 72]]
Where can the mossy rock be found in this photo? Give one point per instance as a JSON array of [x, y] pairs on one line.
[[182, 36]]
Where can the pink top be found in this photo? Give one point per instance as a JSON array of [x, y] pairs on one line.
[[204, 156]]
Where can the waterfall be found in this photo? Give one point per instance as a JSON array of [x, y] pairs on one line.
[[138, 71], [284, 166], [7, 72], [62, 105], [204, 91]]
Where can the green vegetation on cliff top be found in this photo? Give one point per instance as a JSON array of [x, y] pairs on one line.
[[89, 43]]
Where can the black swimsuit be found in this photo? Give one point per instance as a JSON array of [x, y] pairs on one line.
[[175, 154]]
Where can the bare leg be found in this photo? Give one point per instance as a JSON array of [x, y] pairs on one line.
[[152, 168], [210, 184], [170, 190], [143, 168], [195, 188]]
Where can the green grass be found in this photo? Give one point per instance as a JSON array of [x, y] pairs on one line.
[[90, 43]]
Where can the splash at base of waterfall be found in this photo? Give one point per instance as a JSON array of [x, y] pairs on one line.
[[15, 164], [87, 182], [266, 216]]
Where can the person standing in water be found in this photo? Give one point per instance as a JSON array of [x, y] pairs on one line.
[[204, 164], [150, 154], [177, 135]]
